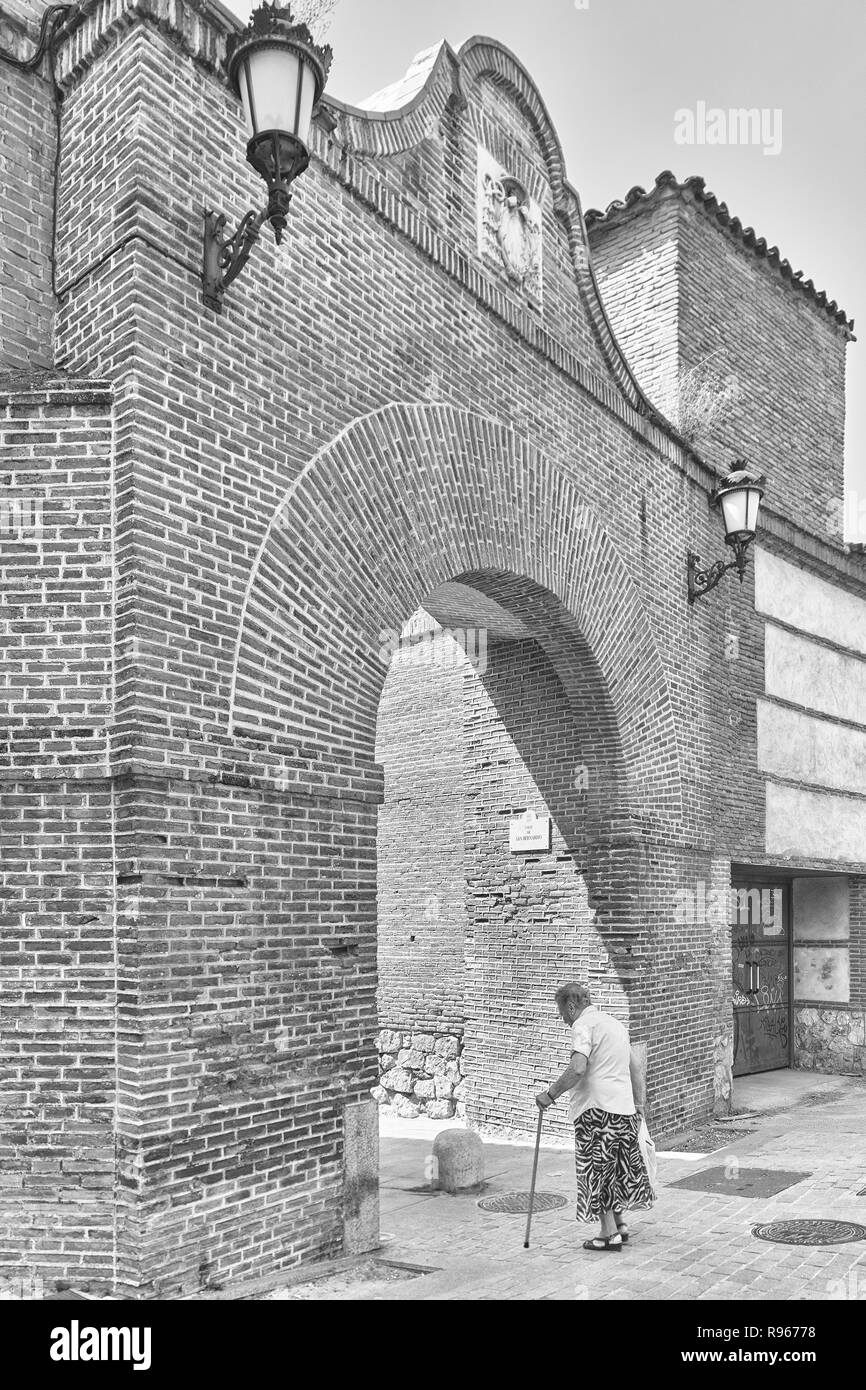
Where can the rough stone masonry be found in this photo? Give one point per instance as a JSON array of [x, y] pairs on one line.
[[419, 402]]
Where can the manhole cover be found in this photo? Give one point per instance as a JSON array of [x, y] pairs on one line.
[[734, 1181], [517, 1203], [810, 1232]]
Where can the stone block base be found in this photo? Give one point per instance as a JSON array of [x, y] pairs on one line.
[[421, 1074], [830, 1040]]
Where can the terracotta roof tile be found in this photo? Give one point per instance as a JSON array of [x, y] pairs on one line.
[[696, 188]]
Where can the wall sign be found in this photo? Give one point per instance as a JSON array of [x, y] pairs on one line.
[[529, 832]]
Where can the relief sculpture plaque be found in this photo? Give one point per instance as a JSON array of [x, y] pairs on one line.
[[509, 226]]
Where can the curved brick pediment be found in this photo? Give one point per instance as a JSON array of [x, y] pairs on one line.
[[484, 89]]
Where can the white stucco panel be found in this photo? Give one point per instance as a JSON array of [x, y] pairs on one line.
[[815, 825], [822, 973], [822, 908], [801, 600], [802, 748], [805, 673]]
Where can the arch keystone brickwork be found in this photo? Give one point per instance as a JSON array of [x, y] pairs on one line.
[[403, 500]]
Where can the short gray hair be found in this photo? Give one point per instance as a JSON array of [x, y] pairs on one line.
[[573, 993]]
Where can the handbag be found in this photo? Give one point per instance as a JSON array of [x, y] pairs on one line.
[[648, 1153]]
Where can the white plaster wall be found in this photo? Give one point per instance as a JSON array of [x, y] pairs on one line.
[[815, 825], [822, 908], [802, 748], [821, 973], [805, 673], [804, 601]]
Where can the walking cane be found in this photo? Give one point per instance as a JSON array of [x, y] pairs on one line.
[[534, 1171]]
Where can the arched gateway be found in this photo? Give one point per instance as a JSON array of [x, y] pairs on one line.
[[413, 496], [212, 522], [409, 498]]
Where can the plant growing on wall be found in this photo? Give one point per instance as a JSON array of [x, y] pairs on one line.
[[316, 14], [705, 397]]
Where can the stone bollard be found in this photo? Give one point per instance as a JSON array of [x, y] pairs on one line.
[[459, 1155]]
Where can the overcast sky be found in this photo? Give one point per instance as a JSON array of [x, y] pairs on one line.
[[613, 73]]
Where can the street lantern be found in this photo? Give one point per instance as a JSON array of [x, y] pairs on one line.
[[739, 498], [279, 73]]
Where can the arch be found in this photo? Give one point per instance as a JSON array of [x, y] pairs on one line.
[[408, 498], [472, 939]]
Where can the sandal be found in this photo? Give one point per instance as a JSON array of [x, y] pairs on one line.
[[603, 1243]]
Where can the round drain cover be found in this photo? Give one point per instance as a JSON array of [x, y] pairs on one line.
[[810, 1232], [517, 1203]]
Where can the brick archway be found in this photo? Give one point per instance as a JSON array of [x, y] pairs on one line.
[[407, 499], [403, 500]]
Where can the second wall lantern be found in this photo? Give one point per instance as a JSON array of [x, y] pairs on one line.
[[739, 497], [279, 73]]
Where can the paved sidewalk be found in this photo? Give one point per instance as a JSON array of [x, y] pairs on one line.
[[691, 1245]]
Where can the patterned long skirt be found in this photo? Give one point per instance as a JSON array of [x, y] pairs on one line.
[[611, 1174]]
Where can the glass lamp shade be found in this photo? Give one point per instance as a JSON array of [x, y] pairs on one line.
[[279, 73], [740, 510], [278, 88]]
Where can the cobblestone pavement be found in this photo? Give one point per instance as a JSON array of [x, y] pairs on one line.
[[691, 1245]]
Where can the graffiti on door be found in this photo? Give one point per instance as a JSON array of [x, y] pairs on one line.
[[760, 980]]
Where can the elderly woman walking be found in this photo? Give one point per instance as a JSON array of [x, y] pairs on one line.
[[606, 1095]]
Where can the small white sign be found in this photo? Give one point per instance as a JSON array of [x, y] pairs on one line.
[[529, 832]]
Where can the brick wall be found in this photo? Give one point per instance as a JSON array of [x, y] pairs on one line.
[[638, 267], [27, 13], [57, 943], [607, 915], [858, 941], [532, 917], [240, 1026], [27, 154], [687, 296], [777, 343], [421, 890], [421, 885], [378, 412]]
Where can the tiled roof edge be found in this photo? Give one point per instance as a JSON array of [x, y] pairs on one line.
[[710, 204]]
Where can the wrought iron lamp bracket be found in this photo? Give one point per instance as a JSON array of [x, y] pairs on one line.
[[226, 256], [701, 581]]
